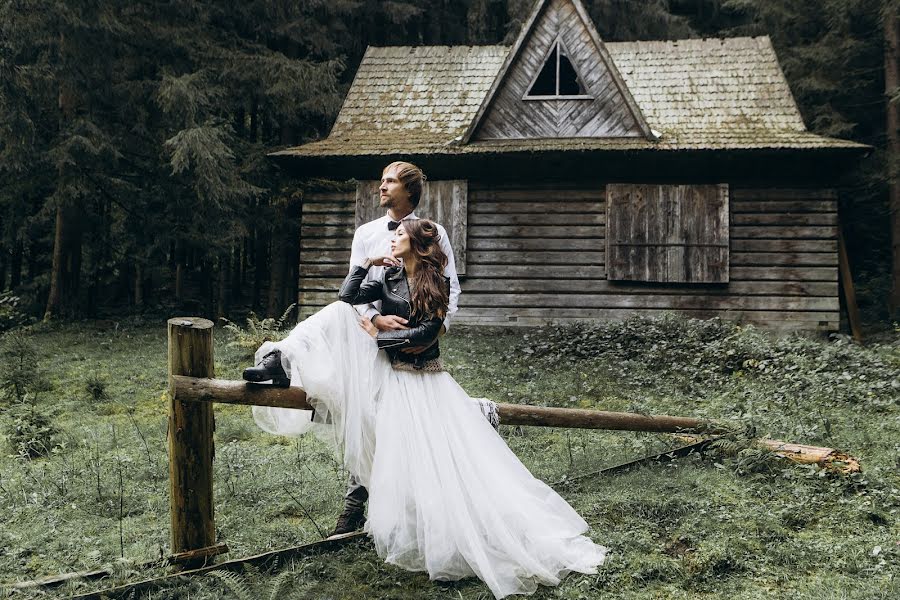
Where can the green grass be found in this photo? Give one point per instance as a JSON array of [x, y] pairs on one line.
[[723, 525]]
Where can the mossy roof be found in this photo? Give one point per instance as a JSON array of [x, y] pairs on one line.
[[697, 94]]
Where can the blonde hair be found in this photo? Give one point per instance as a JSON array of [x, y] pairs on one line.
[[411, 177]]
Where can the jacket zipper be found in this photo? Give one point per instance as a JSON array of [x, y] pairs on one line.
[[408, 304]]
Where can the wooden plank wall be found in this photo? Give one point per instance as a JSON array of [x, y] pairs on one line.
[[536, 254], [326, 233]]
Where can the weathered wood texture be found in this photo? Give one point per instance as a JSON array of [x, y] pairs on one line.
[[782, 272], [667, 233], [606, 110], [441, 201], [191, 428], [846, 282], [537, 254], [326, 233]]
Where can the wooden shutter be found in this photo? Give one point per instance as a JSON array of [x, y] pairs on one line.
[[442, 201], [667, 233]]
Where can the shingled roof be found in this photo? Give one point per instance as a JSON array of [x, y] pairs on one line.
[[709, 94]]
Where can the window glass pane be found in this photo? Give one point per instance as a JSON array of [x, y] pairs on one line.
[[545, 84], [569, 82]]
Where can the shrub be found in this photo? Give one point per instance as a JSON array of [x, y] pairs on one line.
[[11, 313], [18, 365], [703, 354], [30, 431], [258, 331], [95, 386]]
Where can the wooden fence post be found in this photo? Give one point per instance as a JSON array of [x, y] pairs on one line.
[[191, 428]]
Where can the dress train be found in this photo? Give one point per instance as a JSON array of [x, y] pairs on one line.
[[446, 494]]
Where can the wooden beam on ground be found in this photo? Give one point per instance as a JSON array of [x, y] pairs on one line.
[[175, 559], [827, 458], [239, 392], [264, 560], [661, 457]]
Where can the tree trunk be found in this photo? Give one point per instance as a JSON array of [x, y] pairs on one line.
[[209, 281], [222, 285], [4, 266], [31, 262], [66, 268], [15, 265], [180, 268], [138, 285], [260, 258], [892, 83], [179, 282], [237, 271], [277, 267]]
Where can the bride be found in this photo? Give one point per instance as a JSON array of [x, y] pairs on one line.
[[446, 495]]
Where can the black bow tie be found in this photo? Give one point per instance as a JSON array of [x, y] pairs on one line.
[[392, 225]]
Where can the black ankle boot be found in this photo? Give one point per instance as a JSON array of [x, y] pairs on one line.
[[269, 368], [352, 519]]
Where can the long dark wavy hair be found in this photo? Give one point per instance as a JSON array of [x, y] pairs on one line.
[[430, 297]]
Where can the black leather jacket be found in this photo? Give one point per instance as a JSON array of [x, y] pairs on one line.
[[393, 291]]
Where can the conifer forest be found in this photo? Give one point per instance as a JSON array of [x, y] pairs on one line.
[[133, 136]]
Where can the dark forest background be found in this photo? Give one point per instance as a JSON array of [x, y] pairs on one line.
[[133, 135]]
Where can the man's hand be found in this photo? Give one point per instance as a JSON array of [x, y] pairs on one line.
[[389, 322]]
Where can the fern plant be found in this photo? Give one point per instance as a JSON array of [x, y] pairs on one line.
[[256, 585], [258, 330]]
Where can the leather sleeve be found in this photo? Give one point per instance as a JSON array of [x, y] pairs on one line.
[[421, 335], [354, 291]]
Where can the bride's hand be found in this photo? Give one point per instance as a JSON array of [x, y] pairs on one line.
[[368, 326], [383, 261]]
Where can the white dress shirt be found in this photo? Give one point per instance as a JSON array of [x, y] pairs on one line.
[[374, 239]]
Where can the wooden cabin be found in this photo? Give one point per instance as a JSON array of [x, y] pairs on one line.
[[581, 179]]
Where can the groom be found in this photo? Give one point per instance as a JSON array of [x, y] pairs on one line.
[[400, 192]]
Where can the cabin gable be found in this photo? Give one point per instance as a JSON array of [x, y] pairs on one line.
[[559, 82]]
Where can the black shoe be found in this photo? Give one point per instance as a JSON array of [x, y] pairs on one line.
[[352, 519], [269, 368]]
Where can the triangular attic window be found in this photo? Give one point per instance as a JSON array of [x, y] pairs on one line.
[[557, 78]]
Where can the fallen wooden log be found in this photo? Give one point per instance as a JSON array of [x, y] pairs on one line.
[[827, 458], [240, 392]]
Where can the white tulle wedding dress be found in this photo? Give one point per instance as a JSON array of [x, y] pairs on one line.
[[446, 495]]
